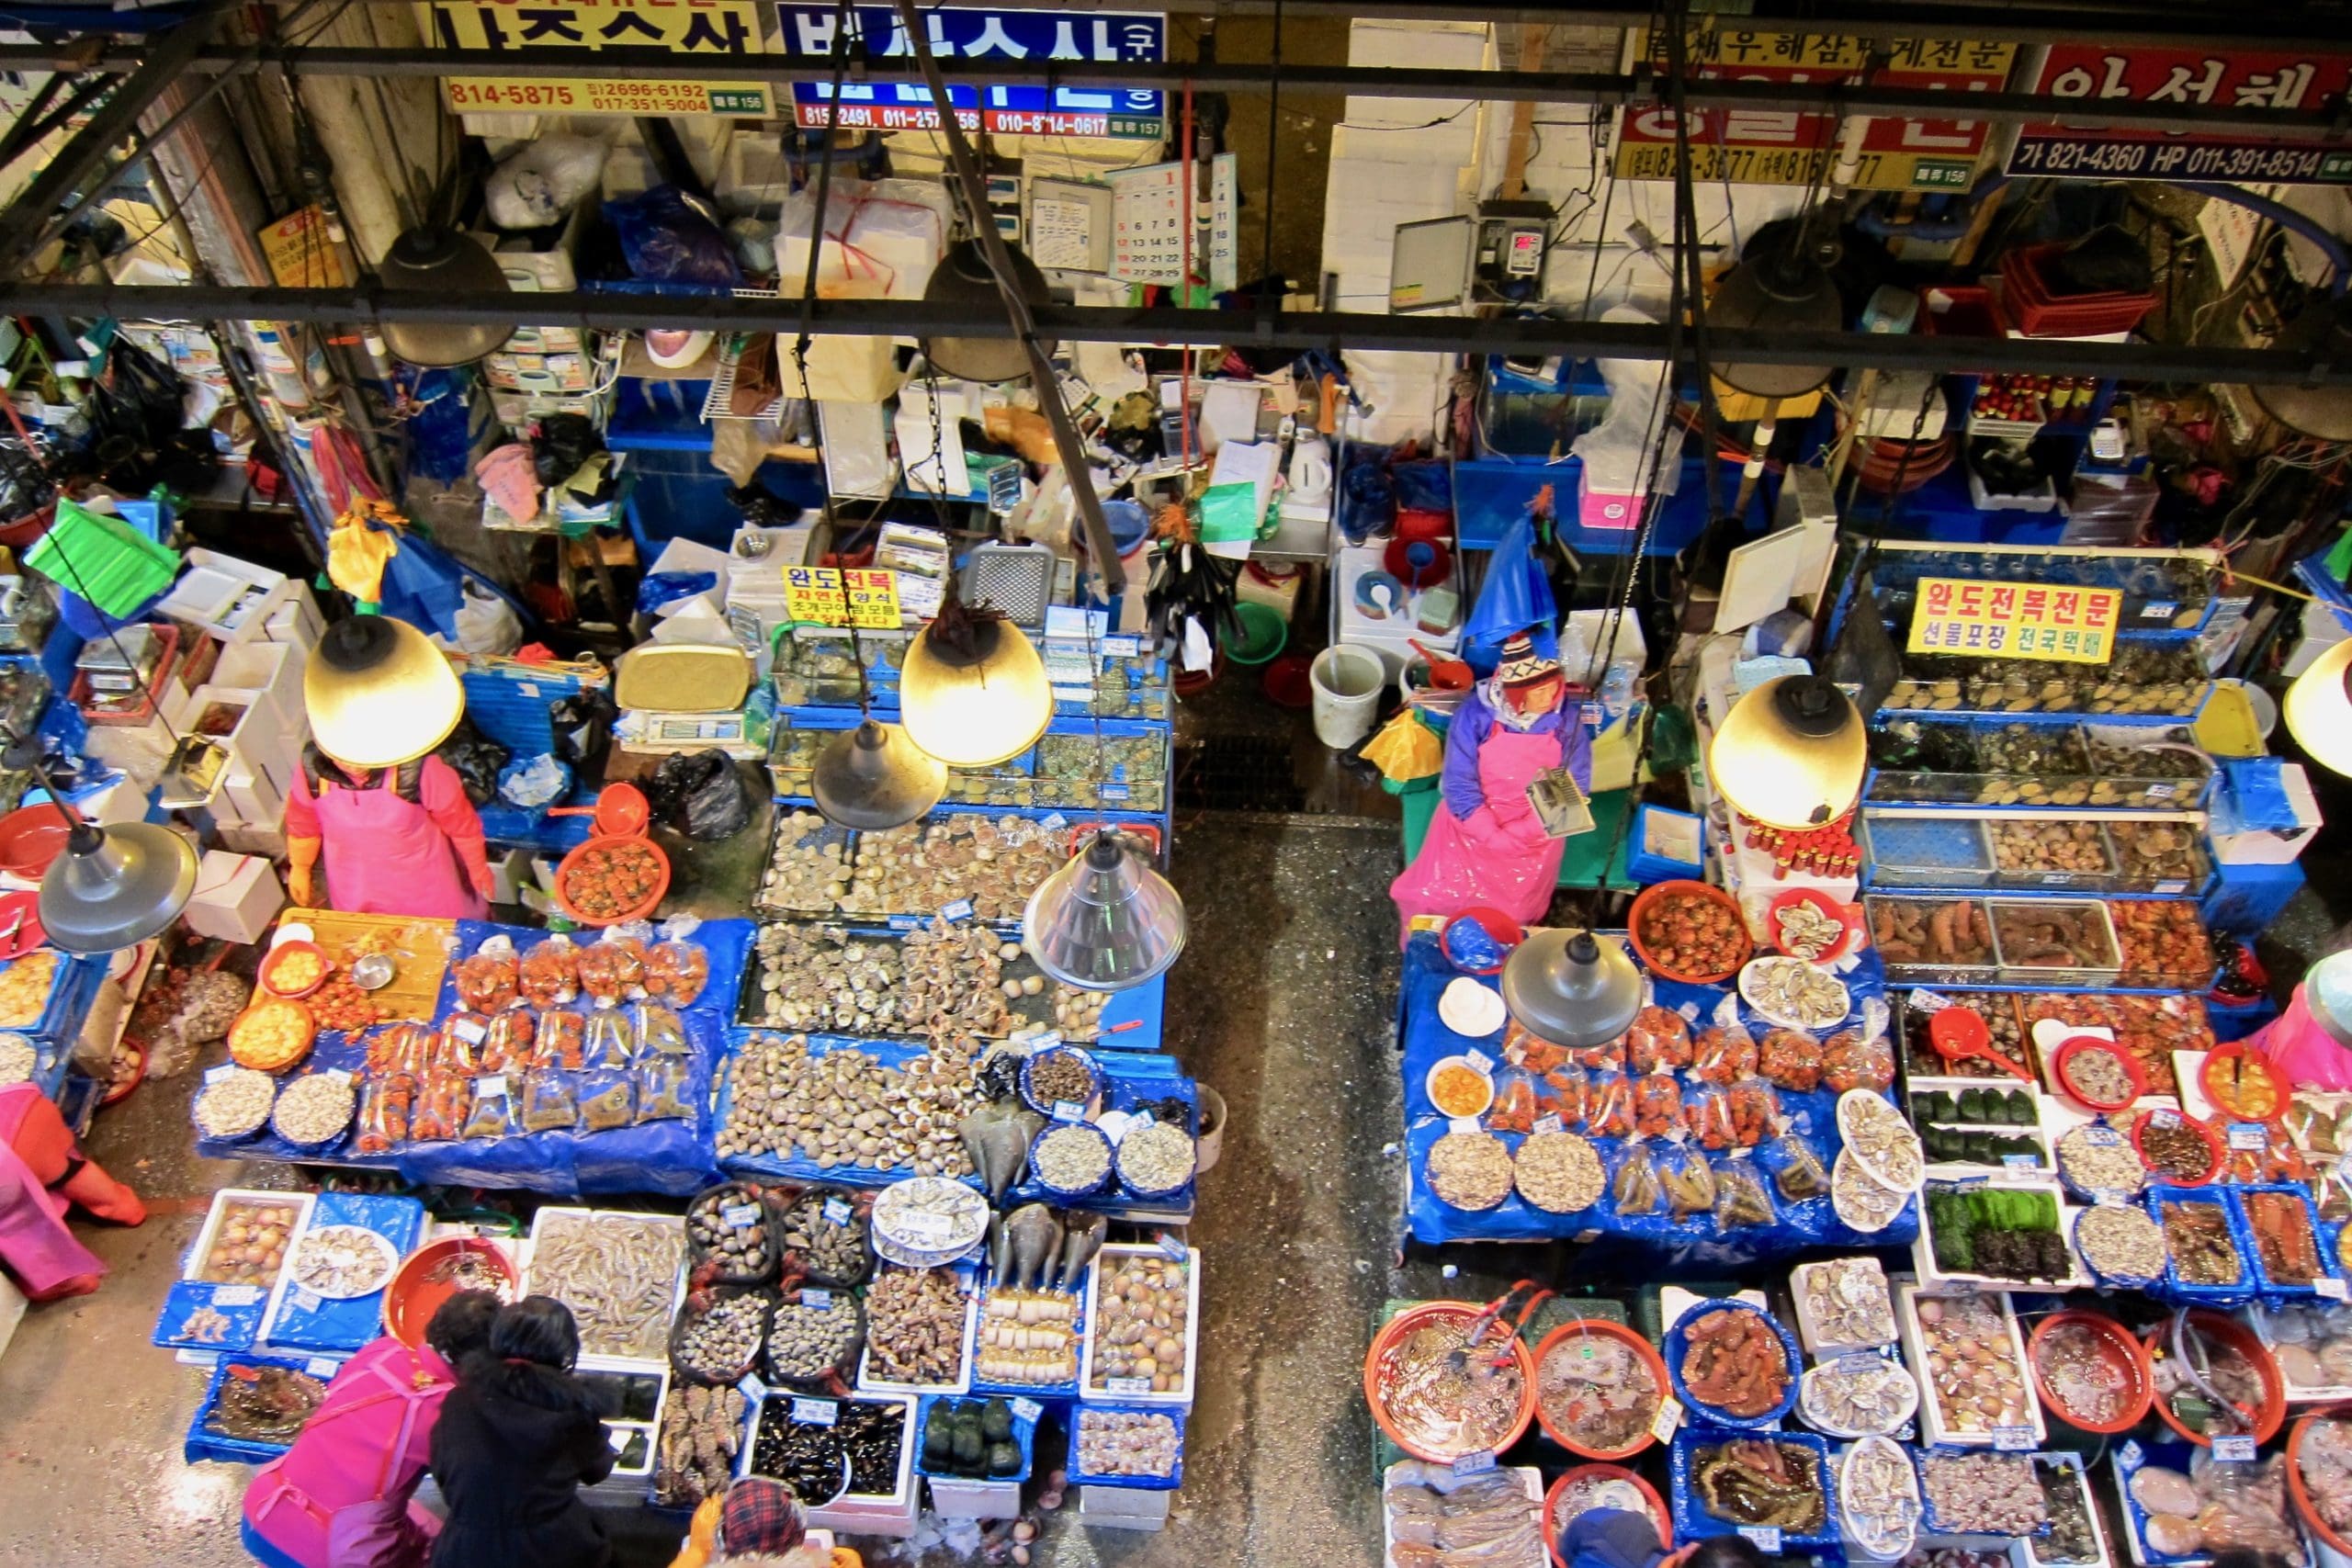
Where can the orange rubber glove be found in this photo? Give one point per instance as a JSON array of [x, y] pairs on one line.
[[302, 859]]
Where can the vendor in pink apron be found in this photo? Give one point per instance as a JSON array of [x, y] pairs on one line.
[[41, 1172], [1486, 846], [397, 841], [2311, 1043]]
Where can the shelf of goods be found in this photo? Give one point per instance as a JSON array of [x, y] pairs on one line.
[[1725, 1188], [542, 1087], [817, 668]]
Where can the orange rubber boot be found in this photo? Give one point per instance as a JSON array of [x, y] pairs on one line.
[[102, 1196]]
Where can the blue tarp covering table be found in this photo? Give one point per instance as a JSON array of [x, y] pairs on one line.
[[670, 1156], [1696, 1239]]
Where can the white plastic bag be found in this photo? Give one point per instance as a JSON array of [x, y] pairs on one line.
[[541, 184], [1616, 452]]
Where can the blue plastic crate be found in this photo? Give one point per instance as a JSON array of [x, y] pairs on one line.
[[1025, 1415], [241, 1306], [1675, 1345], [1691, 1520], [2185, 1292], [2301, 1196], [200, 1444], [297, 1320], [1924, 851], [1083, 1476], [2244, 900]]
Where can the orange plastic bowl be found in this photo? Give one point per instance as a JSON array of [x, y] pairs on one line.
[[2119, 1349], [412, 1299], [2305, 1503], [2213, 1147], [2228, 1331], [1657, 893], [1825, 905], [278, 954], [1600, 1328], [31, 837], [1381, 1366], [574, 865], [1553, 1528]]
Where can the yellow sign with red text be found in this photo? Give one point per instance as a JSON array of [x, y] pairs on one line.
[[2015, 620], [827, 596], [717, 28]]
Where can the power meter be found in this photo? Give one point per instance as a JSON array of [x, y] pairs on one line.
[[1514, 242]]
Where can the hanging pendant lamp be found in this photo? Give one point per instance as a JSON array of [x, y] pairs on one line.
[[443, 263], [1790, 754], [1106, 922], [1572, 989], [115, 888], [2323, 413], [962, 278], [1785, 291], [2318, 709], [973, 691], [380, 694], [873, 778]]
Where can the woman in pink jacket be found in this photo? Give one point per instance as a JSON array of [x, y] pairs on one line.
[[339, 1498]]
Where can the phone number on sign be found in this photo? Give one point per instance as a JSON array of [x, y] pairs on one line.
[[512, 96]]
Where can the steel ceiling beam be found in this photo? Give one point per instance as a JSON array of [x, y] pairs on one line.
[[26, 220], [1494, 86], [1297, 330]]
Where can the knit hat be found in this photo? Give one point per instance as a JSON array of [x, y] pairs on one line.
[[760, 1514], [1521, 664]]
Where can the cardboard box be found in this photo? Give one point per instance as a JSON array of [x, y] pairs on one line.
[[236, 897]]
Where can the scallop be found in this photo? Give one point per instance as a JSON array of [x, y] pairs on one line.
[[2171, 1535], [2161, 1491]]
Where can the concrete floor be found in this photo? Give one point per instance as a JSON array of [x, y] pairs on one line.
[[1284, 1003]]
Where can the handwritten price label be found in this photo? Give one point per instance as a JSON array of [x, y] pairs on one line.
[[815, 1412]]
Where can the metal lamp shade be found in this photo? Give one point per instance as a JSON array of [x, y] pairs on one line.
[[379, 694], [873, 777], [979, 709], [1104, 923], [2323, 413], [1571, 989], [1779, 294], [1790, 754], [444, 263], [963, 279], [115, 886], [2318, 710]]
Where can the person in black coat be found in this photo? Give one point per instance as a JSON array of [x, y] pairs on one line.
[[518, 1439]]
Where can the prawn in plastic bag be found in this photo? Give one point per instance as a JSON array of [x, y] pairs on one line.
[[549, 1104], [1689, 1180], [1741, 1198], [1797, 1170], [385, 1103], [1513, 1110], [1609, 1105], [492, 1112], [611, 1042], [663, 1084], [549, 974], [1723, 1054], [607, 1099], [1635, 1190], [660, 1031], [1658, 1105], [562, 1042]]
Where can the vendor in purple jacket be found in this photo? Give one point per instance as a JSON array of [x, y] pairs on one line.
[[1485, 847]]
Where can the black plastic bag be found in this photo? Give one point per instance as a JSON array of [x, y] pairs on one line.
[[478, 759], [702, 795], [584, 725], [2108, 260], [564, 442]]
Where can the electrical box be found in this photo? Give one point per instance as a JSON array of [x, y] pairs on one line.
[[1499, 257], [1514, 245]]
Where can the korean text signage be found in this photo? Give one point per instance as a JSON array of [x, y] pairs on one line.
[[1789, 147], [824, 596], [2015, 620], [966, 33], [2262, 79], [715, 28]]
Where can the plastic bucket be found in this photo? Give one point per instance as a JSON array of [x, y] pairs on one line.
[[1346, 684], [1210, 1144], [1263, 633]]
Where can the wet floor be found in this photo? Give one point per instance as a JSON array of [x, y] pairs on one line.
[[1284, 1002]]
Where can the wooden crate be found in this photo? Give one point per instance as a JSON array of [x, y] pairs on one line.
[[419, 948]]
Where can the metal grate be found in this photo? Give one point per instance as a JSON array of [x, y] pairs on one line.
[[717, 403], [1016, 580]]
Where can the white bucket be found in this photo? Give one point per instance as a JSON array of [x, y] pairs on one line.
[[1347, 683]]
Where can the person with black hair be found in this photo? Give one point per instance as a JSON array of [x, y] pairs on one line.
[[515, 1443], [1617, 1537], [339, 1497]]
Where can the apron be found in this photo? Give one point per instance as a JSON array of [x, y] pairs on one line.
[[2303, 1053], [386, 856], [1500, 858], [35, 1244]]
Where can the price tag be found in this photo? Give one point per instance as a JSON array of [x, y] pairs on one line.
[[837, 1211], [1477, 1463], [1766, 1538], [1115, 792], [1138, 1120], [340, 1075], [1481, 1061], [468, 1029], [1004, 488], [1051, 1038], [2332, 1289], [1669, 1417], [2233, 1450], [735, 1216], [2013, 1440], [815, 1412], [2130, 1455], [2171, 888], [308, 1300], [2020, 1162], [319, 1367], [1690, 1012], [1026, 1409], [1123, 648], [527, 688], [1054, 822], [2159, 610], [1128, 1386], [491, 1088], [2249, 1135], [1857, 1363], [1463, 1124], [904, 923], [2163, 1118], [2159, 792], [956, 912], [2109, 1201], [214, 1075], [1927, 1001], [1069, 1110], [816, 1298], [1173, 1244], [237, 1295], [1548, 1122], [2100, 1137], [750, 1386]]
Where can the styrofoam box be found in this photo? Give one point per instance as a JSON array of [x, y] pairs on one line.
[[1923, 1251], [1125, 1508], [1817, 1339], [212, 1221], [631, 1481], [1931, 1424], [272, 669], [236, 897], [2064, 1459], [871, 1381], [530, 1285], [893, 1513], [974, 1499], [1105, 1262]]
